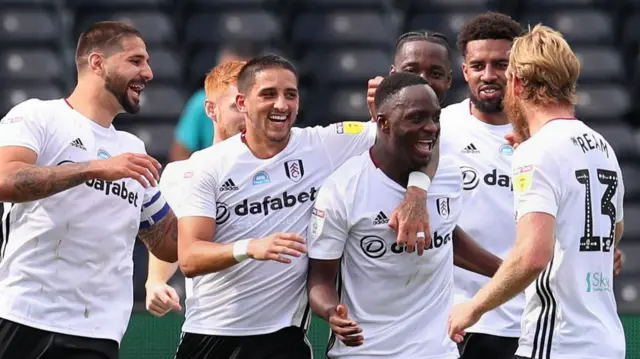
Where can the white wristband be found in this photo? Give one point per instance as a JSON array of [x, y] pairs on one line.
[[240, 250], [420, 180]]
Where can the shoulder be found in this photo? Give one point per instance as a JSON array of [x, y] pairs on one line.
[[346, 177], [173, 170], [448, 178], [133, 142], [455, 110], [336, 129], [30, 109]]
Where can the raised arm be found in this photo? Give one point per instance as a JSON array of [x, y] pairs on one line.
[[467, 254]]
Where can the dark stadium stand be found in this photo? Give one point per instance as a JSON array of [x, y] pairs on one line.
[[337, 45]]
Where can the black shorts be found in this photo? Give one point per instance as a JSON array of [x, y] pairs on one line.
[[287, 343], [483, 346], [18, 341]]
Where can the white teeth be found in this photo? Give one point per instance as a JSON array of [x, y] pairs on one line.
[[277, 117]]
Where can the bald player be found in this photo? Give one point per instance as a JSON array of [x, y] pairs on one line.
[[220, 106]]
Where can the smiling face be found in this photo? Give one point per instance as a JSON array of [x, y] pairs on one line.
[[271, 104], [484, 70], [410, 123], [427, 60], [127, 72]]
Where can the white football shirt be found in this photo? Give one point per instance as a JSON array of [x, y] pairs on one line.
[[254, 198], [487, 216], [67, 259], [170, 185], [571, 172], [400, 300]]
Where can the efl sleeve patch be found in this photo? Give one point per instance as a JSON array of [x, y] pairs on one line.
[[350, 127], [522, 178]]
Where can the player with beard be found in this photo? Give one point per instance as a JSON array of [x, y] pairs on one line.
[[77, 193], [569, 211], [348, 236], [221, 89], [247, 205]]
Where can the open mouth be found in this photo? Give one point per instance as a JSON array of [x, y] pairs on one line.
[[278, 118], [491, 91], [425, 146], [136, 89]]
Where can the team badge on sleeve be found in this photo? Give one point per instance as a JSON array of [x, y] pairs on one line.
[[317, 222], [522, 178]]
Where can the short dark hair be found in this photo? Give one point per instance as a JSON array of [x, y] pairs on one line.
[[392, 84], [423, 35], [488, 26], [105, 37], [247, 76]]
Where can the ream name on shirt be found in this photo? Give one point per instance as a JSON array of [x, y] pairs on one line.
[[589, 141], [114, 189], [268, 203]]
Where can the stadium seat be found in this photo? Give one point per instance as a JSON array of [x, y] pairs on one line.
[[631, 32], [630, 254], [30, 64], [602, 101], [631, 174], [162, 101], [118, 4], [337, 5], [448, 5], [347, 66], [600, 63], [232, 4], [260, 27], [25, 26], [620, 136], [448, 24], [156, 137], [627, 291], [556, 5], [156, 27], [28, 3], [343, 28], [12, 94], [632, 224], [349, 105], [580, 26], [166, 64]]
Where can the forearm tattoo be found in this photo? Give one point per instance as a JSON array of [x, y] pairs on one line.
[[33, 182], [165, 229]]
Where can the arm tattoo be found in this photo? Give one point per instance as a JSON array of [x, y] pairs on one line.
[[33, 182], [165, 229]]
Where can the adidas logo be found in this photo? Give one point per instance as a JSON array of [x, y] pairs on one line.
[[228, 186], [471, 148], [381, 218], [78, 144]]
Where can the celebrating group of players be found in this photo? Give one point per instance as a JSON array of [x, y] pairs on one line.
[[360, 222]]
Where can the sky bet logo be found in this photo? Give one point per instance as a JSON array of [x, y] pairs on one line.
[[114, 189], [598, 282]]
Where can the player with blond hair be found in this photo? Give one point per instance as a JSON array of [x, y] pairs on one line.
[[221, 89], [568, 206]]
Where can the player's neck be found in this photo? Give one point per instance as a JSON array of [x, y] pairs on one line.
[[393, 168], [261, 146], [495, 119], [538, 116], [92, 104], [217, 137]]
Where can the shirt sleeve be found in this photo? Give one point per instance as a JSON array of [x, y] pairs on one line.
[[188, 128], [170, 185], [534, 187], [328, 227], [23, 126], [344, 140], [198, 190]]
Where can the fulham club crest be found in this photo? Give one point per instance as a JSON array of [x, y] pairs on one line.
[[294, 170], [443, 207]]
